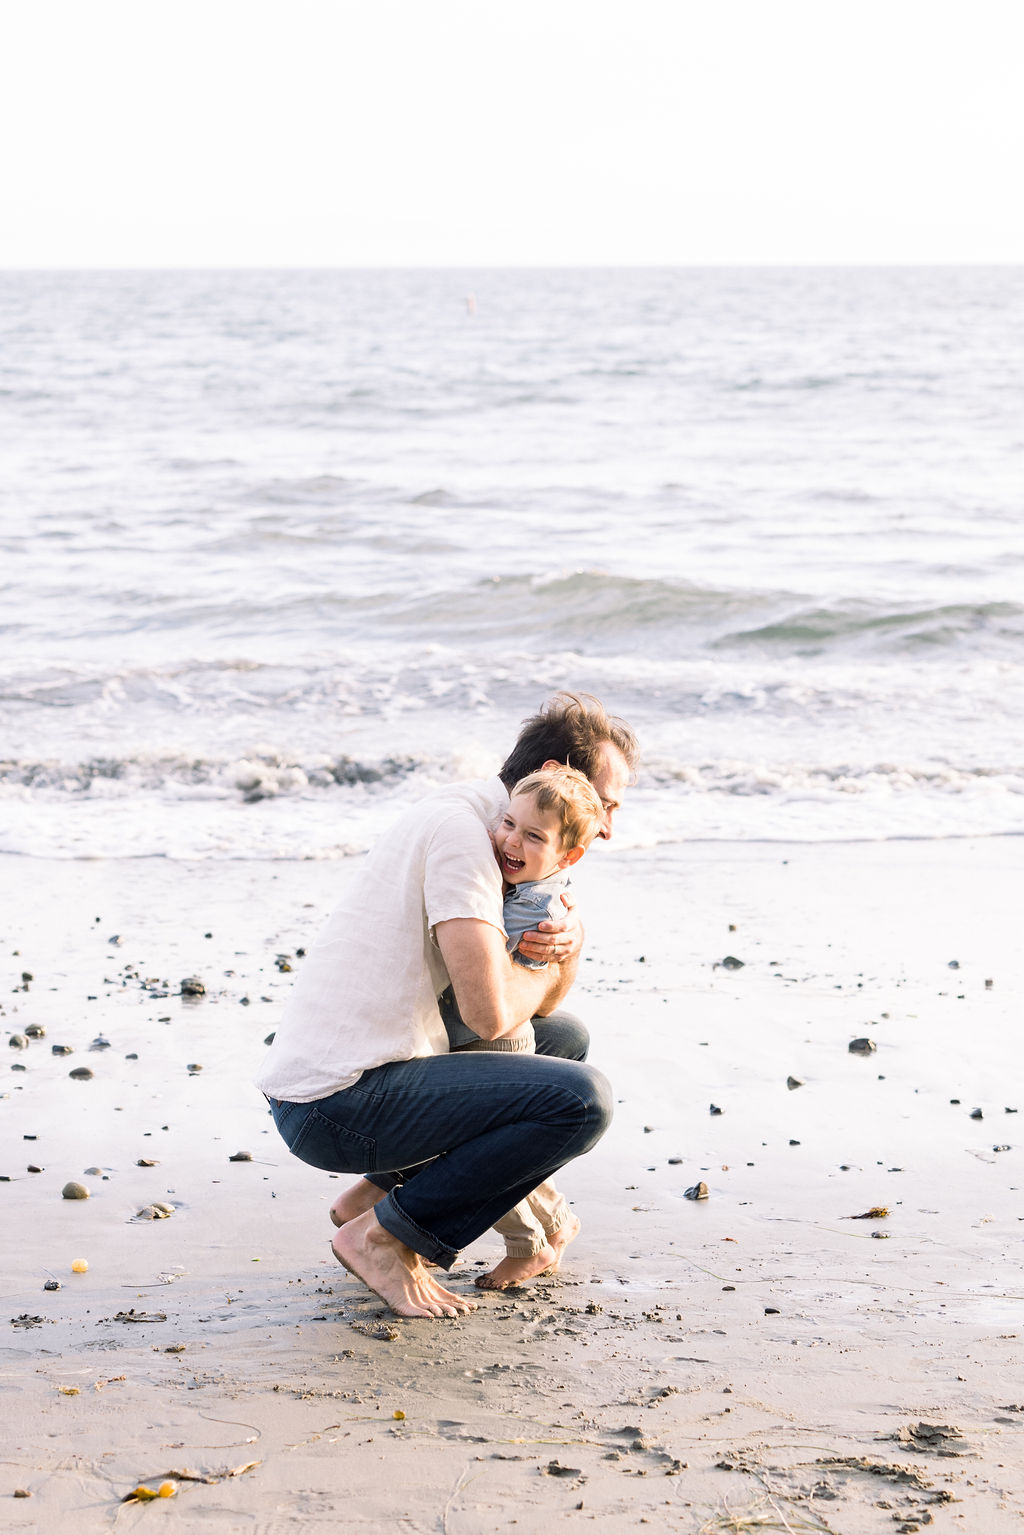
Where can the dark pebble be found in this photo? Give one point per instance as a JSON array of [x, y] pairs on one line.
[[240, 1156], [728, 1287], [132, 1057], [193, 1067], [772, 1311], [18, 1042], [99, 1043], [32, 1168], [61, 1050], [81, 1074], [713, 1108], [18, 1066], [794, 1143], [1000, 1148], [116, 940], [52, 1284], [675, 1161], [269, 1039], [26, 976], [954, 964], [792, 1082], [730, 962], [862, 1046], [192, 986], [977, 1114], [35, 1031], [243, 1001], [698, 1191]]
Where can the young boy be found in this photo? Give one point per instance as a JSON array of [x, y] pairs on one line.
[[552, 818]]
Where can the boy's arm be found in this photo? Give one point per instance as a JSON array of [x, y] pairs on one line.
[[495, 996], [556, 942]]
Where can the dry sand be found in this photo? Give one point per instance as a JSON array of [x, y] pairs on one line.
[[756, 1361]]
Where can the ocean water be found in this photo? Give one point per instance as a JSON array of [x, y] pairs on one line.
[[281, 551]]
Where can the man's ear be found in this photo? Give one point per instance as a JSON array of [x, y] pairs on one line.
[[546, 767], [572, 856]]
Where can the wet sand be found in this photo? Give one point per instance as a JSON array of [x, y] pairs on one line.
[[759, 1360]]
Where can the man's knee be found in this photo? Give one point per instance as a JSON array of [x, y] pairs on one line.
[[563, 1035], [596, 1093]]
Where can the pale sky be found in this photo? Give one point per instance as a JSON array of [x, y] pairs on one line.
[[510, 132]]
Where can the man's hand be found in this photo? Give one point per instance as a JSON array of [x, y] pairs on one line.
[[555, 942]]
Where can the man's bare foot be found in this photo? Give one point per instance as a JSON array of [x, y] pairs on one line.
[[356, 1200], [393, 1271], [517, 1270], [565, 1234]]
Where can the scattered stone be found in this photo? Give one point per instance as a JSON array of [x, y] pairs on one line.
[[648, 1129], [32, 1168], [977, 1114], [728, 1287], [792, 1082], [26, 977], [81, 1074], [270, 1038], [282, 964], [1009, 1111], [74, 1190], [881, 1236], [243, 1002], [192, 986], [730, 962], [1001, 1148], [675, 1161], [18, 1042], [698, 1191], [139, 1316], [989, 984], [133, 1057], [52, 1284], [155, 1212], [21, 1492], [116, 940], [240, 1156], [772, 1311], [862, 1046], [94, 1172], [35, 1031], [99, 1043], [193, 1067], [713, 1108], [18, 1066], [147, 1162], [954, 964], [61, 1050], [555, 1468], [876, 1213], [794, 1143]]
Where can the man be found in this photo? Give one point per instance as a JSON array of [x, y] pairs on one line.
[[359, 1077]]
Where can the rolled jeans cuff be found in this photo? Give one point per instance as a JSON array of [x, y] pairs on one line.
[[385, 1181], [394, 1220]]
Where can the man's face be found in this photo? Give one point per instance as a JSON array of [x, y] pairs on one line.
[[611, 781]]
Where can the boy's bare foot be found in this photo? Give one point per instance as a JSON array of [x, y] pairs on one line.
[[356, 1200], [393, 1271], [518, 1270]]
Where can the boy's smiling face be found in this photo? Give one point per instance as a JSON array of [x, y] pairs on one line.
[[528, 842]]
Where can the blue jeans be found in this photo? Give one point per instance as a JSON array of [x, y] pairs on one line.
[[475, 1133]]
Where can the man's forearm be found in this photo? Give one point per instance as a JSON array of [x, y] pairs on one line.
[[561, 983]]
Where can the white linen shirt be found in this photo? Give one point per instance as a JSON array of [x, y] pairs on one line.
[[368, 991]]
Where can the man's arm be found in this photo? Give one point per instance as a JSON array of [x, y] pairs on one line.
[[494, 995]]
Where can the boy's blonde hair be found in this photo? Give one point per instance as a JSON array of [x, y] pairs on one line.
[[572, 797]]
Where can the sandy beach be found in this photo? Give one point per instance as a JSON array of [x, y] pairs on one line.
[[764, 1359]]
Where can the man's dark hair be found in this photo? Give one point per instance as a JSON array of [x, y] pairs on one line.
[[571, 729]]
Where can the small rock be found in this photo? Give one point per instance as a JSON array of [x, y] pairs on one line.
[[147, 1162], [116, 940], [555, 1468], [99, 1043], [698, 1191], [243, 1002], [18, 1066], [1000, 1148], [301, 954], [21, 1492], [192, 986], [794, 1143], [989, 984], [240, 1156], [954, 964], [648, 1129], [74, 1191], [154, 1212], [713, 1108], [61, 1050], [269, 1039], [35, 1031], [675, 1161], [792, 1082], [18, 1042], [977, 1114], [193, 1067], [94, 1172], [730, 962], [81, 1074], [133, 1057], [772, 1311], [862, 1046], [26, 977], [52, 1284]]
